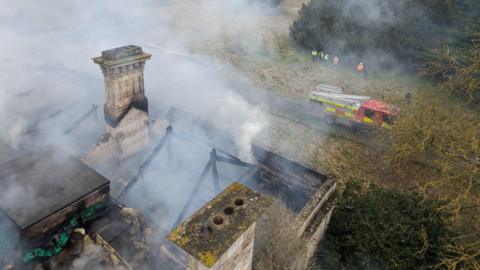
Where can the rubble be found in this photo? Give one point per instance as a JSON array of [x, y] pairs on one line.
[[135, 243], [126, 139], [91, 253]]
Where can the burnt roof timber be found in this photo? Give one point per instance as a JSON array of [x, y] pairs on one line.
[[80, 120], [147, 162], [213, 161], [236, 162], [192, 194], [285, 177]]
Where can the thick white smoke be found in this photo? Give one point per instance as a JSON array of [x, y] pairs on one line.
[[48, 80], [247, 122], [91, 258], [47, 46]]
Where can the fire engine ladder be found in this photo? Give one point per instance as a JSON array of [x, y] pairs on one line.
[[344, 99], [329, 88]]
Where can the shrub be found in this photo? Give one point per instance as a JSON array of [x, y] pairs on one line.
[[378, 228]]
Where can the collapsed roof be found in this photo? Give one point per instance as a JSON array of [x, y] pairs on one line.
[[35, 186]]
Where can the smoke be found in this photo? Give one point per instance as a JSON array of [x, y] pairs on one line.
[[199, 89], [10, 192], [373, 11], [49, 67], [217, 25], [252, 123], [49, 81], [93, 257], [14, 131], [386, 34]]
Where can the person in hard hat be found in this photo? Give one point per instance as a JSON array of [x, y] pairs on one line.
[[314, 54], [322, 55], [335, 61], [361, 69]]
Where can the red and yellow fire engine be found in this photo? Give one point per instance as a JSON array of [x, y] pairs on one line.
[[351, 110]]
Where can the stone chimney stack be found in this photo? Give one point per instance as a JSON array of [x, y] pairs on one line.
[[123, 72], [220, 236]]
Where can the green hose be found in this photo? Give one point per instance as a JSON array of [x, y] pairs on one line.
[[86, 215]]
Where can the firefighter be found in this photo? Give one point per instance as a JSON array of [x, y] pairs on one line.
[[335, 61], [361, 69], [314, 54], [325, 58]]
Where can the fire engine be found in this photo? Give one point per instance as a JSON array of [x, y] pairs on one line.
[[353, 111]]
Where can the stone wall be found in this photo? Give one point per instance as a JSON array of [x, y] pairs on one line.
[[45, 225], [127, 138], [220, 235], [124, 86], [238, 257]]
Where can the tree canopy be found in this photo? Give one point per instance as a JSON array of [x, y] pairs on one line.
[[378, 228], [369, 28]]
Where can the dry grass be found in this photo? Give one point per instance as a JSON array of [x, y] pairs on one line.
[[277, 244], [280, 136]]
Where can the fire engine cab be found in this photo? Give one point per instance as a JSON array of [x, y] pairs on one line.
[[351, 110]]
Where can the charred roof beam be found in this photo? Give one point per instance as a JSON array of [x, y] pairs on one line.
[[147, 162], [192, 194], [236, 162], [93, 110], [213, 162], [288, 178]]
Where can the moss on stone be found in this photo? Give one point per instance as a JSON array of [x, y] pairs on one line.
[[213, 229]]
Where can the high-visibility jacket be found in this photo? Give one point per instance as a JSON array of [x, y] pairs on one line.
[[360, 67], [326, 57], [321, 54], [314, 53]]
